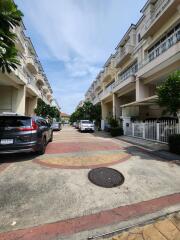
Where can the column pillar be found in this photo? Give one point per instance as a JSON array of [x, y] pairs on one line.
[[19, 100], [116, 106], [104, 114], [32, 106], [141, 90]]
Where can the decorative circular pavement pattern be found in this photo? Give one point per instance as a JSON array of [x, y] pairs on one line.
[[106, 177], [82, 155]]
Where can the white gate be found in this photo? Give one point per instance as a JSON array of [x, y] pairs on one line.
[[152, 130]]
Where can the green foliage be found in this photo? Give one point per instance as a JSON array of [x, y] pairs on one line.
[[45, 110], [113, 122], [174, 143], [10, 17], [116, 131], [169, 93], [87, 111]]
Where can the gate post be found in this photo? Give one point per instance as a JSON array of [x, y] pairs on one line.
[[157, 132], [178, 114], [133, 129], [143, 125]]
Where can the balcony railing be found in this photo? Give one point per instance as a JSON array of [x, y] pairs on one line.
[[32, 64], [100, 95], [20, 74], [125, 51], [40, 78], [159, 8], [31, 83], [97, 84], [128, 73], [96, 100], [161, 48]]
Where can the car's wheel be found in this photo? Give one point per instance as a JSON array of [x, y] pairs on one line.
[[43, 146], [51, 139]]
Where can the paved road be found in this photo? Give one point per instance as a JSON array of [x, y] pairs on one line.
[[50, 197]]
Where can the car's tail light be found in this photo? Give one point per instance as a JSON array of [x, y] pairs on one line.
[[33, 126]]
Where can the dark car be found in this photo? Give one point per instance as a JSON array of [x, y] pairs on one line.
[[22, 133]]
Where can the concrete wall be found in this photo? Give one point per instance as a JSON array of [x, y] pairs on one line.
[[6, 101]]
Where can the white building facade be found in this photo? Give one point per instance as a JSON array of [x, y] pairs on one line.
[[146, 55], [20, 90]]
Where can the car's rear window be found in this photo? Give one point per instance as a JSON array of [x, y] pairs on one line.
[[85, 121], [11, 121]]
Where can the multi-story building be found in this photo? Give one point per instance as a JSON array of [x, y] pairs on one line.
[[148, 52], [80, 104], [20, 90]]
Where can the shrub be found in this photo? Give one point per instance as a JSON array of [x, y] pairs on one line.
[[174, 143], [117, 131], [113, 122]]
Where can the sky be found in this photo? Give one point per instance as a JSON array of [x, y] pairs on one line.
[[74, 38]]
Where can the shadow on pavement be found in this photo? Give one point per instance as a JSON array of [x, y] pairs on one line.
[[138, 150], [16, 157]]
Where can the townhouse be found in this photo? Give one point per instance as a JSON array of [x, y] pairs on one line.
[[20, 90], [81, 103], [148, 52]]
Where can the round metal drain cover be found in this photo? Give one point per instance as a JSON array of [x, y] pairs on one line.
[[106, 177]]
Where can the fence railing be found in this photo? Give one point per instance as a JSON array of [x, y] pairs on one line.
[[153, 130]]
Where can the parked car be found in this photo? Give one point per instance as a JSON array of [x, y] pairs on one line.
[[77, 125], [86, 125], [56, 126], [22, 133]]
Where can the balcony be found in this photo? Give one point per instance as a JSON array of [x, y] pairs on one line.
[[49, 96], [45, 89], [163, 10], [96, 100], [31, 64], [107, 92], [44, 98], [97, 85], [124, 54], [166, 53], [32, 87], [108, 73], [18, 75], [123, 81], [40, 79], [19, 42]]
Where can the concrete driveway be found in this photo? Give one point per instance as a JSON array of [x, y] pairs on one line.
[[50, 197]]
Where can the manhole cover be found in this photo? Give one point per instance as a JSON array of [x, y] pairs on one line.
[[106, 177]]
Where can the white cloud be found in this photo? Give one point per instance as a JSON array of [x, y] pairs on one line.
[[77, 67], [79, 34]]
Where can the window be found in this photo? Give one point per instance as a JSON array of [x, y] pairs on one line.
[[139, 37], [9, 121]]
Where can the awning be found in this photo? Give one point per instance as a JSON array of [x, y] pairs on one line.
[[146, 101]]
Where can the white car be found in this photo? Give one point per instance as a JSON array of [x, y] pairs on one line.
[[86, 125]]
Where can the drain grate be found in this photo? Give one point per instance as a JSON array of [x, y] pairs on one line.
[[106, 177]]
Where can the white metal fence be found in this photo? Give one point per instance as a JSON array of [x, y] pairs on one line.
[[152, 130]]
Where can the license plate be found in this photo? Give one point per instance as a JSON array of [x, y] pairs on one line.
[[6, 141]]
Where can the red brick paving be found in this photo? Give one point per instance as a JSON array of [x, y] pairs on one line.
[[38, 160], [75, 225], [3, 166], [58, 147]]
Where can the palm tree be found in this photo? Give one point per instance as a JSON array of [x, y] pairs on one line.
[[10, 17]]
